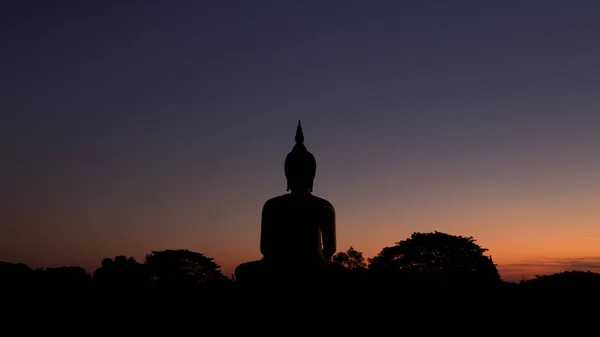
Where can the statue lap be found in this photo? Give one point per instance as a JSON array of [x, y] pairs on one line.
[[265, 272]]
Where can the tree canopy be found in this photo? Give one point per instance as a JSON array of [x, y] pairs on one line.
[[121, 272], [182, 267], [436, 253], [350, 259]]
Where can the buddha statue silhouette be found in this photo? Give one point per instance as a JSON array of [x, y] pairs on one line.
[[297, 229]]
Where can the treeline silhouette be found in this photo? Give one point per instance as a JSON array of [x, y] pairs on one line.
[[431, 261]]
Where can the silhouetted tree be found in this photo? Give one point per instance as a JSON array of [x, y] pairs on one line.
[[9, 268], [183, 269], [350, 259], [438, 255], [121, 273], [15, 276], [580, 280], [64, 278]]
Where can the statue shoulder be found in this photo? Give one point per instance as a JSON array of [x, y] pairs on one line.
[[275, 202], [324, 203]]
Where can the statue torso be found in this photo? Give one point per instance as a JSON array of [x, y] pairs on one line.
[[294, 225]]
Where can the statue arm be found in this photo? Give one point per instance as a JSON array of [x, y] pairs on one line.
[[328, 232], [265, 237]]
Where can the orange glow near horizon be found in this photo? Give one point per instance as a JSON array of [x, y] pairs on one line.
[[523, 241]]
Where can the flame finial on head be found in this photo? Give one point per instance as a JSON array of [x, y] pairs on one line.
[[299, 134]]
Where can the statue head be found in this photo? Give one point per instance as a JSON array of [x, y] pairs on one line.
[[300, 165]]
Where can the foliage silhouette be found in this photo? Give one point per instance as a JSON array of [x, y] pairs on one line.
[[16, 276], [182, 269], [350, 259], [437, 256], [70, 278], [121, 273], [568, 279], [421, 263]]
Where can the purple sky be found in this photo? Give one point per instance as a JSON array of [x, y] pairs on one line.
[[131, 126]]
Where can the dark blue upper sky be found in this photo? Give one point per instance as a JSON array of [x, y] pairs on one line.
[[172, 118]]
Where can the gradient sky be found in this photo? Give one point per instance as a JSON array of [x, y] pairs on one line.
[[132, 126]]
